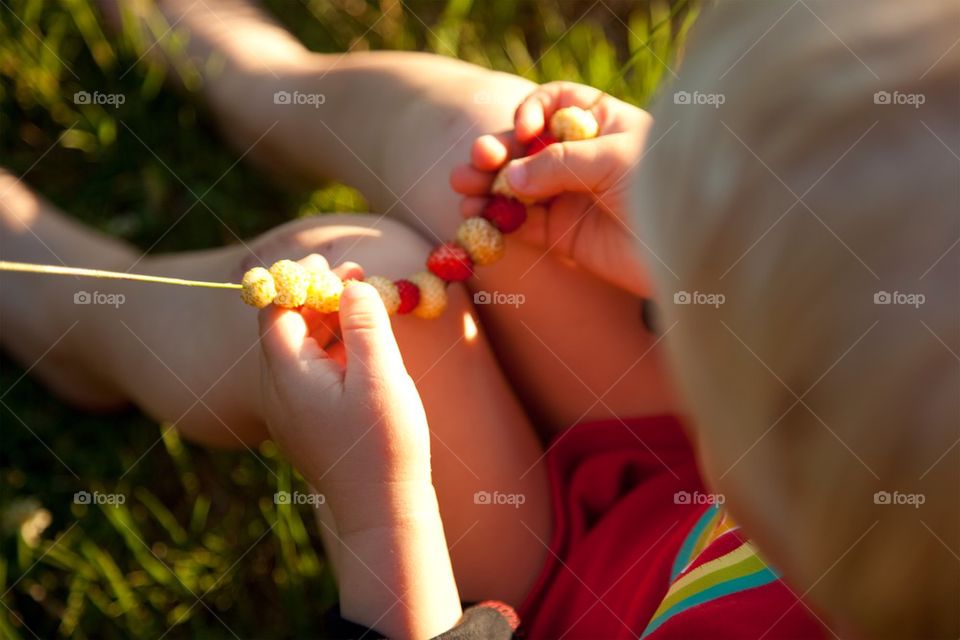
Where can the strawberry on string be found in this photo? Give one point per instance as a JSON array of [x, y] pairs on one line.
[[288, 284]]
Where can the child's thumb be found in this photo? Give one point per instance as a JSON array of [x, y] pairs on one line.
[[583, 166], [372, 351]]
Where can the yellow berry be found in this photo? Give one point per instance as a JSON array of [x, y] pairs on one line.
[[324, 291], [387, 290], [258, 288], [482, 240], [573, 123], [292, 281], [502, 187], [433, 294]]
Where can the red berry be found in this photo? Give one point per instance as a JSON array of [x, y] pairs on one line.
[[450, 262], [409, 295], [540, 143], [505, 213]]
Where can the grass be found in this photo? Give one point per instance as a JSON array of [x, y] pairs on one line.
[[198, 548]]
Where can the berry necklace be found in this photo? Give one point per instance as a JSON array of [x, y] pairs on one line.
[[479, 242]]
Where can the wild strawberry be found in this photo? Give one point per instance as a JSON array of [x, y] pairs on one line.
[[409, 296], [451, 262], [258, 288], [506, 214], [481, 239], [324, 292], [292, 281], [433, 295], [540, 143], [574, 123], [387, 290], [501, 186]]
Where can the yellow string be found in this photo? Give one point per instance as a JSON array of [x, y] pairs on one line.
[[25, 267]]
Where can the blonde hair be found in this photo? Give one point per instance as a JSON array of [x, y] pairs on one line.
[[807, 174]]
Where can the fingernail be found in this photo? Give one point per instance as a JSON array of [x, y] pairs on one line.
[[517, 175]]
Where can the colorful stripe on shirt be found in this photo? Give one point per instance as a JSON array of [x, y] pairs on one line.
[[737, 570], [693, 543]]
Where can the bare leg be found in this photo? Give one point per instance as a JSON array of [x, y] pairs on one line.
[[191, 356], [393, 125], [28, 329]]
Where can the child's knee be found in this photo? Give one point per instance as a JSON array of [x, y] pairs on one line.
[[382, 246]]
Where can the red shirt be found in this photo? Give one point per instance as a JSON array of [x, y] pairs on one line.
[[641, 550]]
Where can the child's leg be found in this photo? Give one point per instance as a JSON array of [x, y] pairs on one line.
[[191, 356], [393, 125], [576, 347]]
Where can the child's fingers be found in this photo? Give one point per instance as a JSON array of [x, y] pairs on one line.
[[349, 271], [283, 338], [582, 166], [467, 180], [372, 351], [337, 353], [315, 261], [490, 151], [324, 327], [530, 117], [471, 207], [487, 154], [535, 110]]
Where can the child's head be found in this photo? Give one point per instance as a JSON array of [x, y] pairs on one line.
[[808, 174]]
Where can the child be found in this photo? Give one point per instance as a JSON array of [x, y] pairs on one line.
[[625, 561], [612, 536]]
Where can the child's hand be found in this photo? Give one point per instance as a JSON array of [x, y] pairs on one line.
[[582, 186], [348, 415]]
